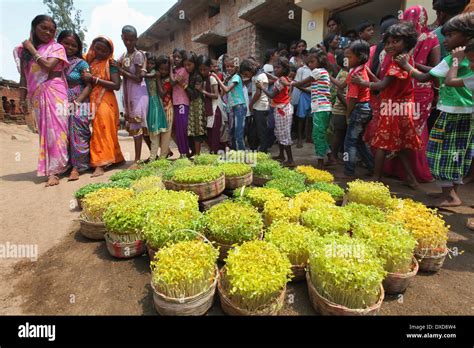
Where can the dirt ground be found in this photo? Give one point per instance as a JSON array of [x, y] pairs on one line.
[[73, 276]]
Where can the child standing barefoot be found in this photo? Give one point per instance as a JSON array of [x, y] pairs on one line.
[[396, 130], [358, 111], [281, 99], [132, 65], [165, 91], [197, 120], [180, 79], [321, 106], [156, 118], [450, 147]]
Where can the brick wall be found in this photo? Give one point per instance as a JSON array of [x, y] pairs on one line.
[[14, 93]]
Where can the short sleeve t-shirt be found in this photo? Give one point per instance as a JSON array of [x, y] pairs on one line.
[[301, 74], [362, 94], [180, 97], [320, 91], [469, 82], [454, 100], [236, 95], [339, 108], [262, 104]]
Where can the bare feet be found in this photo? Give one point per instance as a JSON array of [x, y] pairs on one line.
[[53, 180], [299, 145], [288, 164], [99, 171], [134, 166], [413, 185], [74, 176], [279, 158], [447, 203], [470, 224]]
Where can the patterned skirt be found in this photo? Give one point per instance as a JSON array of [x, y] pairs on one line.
[[283, 121], [450, 147], [197, 122]]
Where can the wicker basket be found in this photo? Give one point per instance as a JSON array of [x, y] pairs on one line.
[[259, 181], [189, 306], [79, 203], [232, 183], [205, 191], [396, 283], [430, 263], [124, 249], [299, 273], [229, 308], [325, 307], [93, 230], [168, 184], [151, 252]]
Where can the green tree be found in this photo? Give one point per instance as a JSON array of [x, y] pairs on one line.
[[66, 16]]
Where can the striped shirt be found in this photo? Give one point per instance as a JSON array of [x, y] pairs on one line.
[[320, 91]]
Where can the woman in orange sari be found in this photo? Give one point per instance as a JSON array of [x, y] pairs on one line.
[[104, 145]]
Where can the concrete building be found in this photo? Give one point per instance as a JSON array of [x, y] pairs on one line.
[[238, 27], [316, 13]]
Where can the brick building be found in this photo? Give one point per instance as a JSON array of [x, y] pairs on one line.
[[237, 27], [11, 90]]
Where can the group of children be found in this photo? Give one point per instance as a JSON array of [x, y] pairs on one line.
[[378, 116], [376, 100]]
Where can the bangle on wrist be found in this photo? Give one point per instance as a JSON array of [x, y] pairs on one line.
[[37, 57], [96, 80]]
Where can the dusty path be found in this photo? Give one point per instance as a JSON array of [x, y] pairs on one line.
[[75, 276]]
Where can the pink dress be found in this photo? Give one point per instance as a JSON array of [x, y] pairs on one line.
[[424, 95], [49, 103], [135, 95]]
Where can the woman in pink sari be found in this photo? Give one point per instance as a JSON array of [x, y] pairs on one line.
[[41, 62], [427, 54]]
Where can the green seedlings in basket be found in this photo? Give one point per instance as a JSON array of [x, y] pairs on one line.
[[149, 212], [289, 175], [314, 175], [123, 183], [197, 175], [160, 166], [133, 174], [96, 203], [281, 209], [85, 190], [291, 239], [426, 225], [255, 275], [346, 271], [394, 244], [334, 190], [288, 186], [370, 193], [233, 170], [362, 212], [176, 165], [206, 160], [232, 223], [148, 183], [327, 219], [266, 168], [313, 199], [257, 196], [184, 269]]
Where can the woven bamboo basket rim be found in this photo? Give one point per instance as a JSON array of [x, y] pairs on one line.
[[414, 270], [212, 240], [422, 254], [187, 299], [82, 220], [240, 176], [108, 237], [260, 180], [265, 310], [328, 302], [201, 184]]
